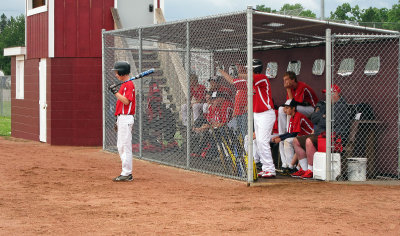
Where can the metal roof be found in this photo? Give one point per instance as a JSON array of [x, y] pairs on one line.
[[229, 31], [274, 30]]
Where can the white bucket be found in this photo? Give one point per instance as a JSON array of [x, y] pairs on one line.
[[357, 169]]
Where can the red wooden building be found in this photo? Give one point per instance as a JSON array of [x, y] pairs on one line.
[[61, 68]]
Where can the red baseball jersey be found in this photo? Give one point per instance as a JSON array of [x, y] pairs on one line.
[[240, 106], [304, 93], [198, 92], [221, 113], [300, 124], [262, 98], [275, 129], [127, 90]]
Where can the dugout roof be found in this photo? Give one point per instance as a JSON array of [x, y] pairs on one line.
[[229, 31]]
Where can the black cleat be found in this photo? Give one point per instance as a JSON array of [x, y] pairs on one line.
[[122, 178]]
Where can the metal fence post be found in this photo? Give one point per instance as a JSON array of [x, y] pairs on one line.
[[250, 93], [140, 96], [328, 102], [398, 110], [102, 87], [189, 109]]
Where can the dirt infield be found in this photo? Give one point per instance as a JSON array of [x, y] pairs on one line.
[[57, 190]]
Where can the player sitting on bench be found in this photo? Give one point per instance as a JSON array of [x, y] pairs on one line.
[[299, 125], [219, 114]]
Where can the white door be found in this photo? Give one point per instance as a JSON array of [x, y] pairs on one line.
[[42, 100]]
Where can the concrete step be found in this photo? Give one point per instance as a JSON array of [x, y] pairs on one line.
[[145, 55], [148, 64]]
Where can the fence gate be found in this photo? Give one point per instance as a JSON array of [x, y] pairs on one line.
[[365, 70]]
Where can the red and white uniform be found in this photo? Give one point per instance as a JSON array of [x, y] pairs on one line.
[[240, 106], [304, 94], [300, 124], [127, 90], [264, 119], [221, 113], [198, 95], [125, 123], [198, 92], [262, 98]]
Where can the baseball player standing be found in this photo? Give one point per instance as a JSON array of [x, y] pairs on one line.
[[124, 110], [264, 119]]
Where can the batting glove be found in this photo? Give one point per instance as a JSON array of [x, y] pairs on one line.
[[113, 88]]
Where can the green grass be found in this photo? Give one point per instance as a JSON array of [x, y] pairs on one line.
[[6, 111], [5, 126]]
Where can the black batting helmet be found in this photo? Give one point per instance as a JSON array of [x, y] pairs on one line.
[[122, 67], [257, 66]]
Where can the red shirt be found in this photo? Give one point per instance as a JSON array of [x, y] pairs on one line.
[[304, 93], [240, 107], [198, 92], [300, 124], [262, 98], [127, 90], [275, 129], [221, 113]]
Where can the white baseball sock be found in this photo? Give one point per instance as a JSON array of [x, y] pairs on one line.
[[304, 164]]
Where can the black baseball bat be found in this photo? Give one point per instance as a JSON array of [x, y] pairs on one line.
[[143, 74]]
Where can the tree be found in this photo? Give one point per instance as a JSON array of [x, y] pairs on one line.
[[289, 9], [264, 8], [3, 22], [13, 35], [374, 14], [394, 18], [346, 13]]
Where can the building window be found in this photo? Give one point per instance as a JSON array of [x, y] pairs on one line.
[[346, 67], [318, 67], [372, 66], [19, 77], [272, 70], [294, 66], [36, 6], [38, 3]]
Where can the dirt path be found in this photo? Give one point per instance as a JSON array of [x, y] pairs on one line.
[[55, 190]]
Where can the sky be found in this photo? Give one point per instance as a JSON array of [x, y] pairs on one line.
[[184, 9]]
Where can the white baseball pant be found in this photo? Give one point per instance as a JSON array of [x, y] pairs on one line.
[[283, 124], [124, 142], [287, 155], [263, 125], [246, 148], [197, 109]]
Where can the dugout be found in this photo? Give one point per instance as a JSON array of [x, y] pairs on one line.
[[363, 61]]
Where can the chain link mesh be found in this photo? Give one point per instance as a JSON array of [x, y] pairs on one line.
[[5, 96], [192, 112], [165, 118], [366, 118]]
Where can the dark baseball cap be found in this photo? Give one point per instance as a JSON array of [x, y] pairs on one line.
[[215, 79], [290, 103]]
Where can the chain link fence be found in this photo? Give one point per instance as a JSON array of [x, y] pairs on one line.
[[192, 112], [365, 106], [5, 96], [187, 113]]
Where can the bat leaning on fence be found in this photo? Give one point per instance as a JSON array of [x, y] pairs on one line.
[[143, 74], [246, 158]]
